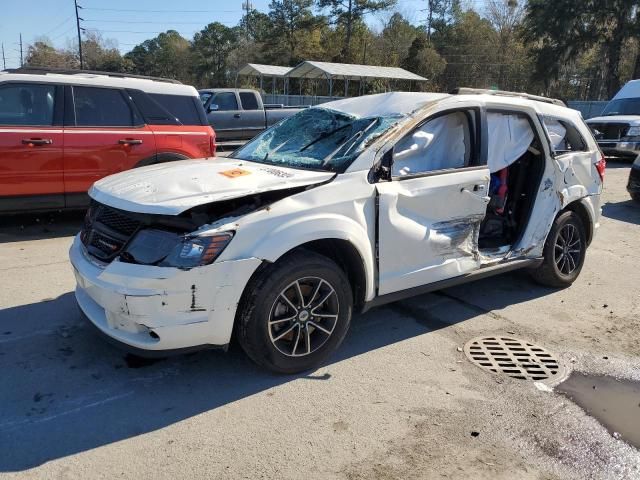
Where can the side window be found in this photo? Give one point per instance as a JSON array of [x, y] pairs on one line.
[[27, 104], [444, 142], [181, 107], [225, 101], [204, 96], [101, 107], [564, 136], [249, 101]]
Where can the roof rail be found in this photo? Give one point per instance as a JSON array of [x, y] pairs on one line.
[[68, 71], [503, 93]]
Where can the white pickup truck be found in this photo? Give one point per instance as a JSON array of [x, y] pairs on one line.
[[617, 130], [240, 114]]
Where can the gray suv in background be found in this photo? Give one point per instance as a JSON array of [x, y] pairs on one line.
[[240, 114]]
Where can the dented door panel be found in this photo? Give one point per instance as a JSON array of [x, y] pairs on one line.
[[428, 227]]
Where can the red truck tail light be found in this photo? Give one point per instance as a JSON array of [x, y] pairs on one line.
[[212, 145], [601, 166]]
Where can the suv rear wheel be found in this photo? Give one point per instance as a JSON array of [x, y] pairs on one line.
[[295, 313], [564, 252]]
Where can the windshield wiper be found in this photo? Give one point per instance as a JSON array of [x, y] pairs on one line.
[[324, 135], [351, 140]]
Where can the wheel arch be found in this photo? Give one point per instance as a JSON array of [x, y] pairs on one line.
[[347, 257], [161, 157], [584, 213]]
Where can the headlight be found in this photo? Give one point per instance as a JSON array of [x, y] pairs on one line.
[[197, 251], [633, 132], [167, 249]]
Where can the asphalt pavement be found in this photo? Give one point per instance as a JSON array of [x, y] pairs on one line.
[[399, 400]]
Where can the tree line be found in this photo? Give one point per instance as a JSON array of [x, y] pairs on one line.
[[572, 49]]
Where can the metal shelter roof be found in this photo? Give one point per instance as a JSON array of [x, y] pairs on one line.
[[347, 71], [257, 70]]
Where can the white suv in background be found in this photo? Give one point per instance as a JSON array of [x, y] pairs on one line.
[[617, 129], [337, 209]]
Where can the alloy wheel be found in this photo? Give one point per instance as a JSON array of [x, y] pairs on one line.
[[568, 249], [303, 316]]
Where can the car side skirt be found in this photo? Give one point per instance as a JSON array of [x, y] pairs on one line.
[[485, 272]]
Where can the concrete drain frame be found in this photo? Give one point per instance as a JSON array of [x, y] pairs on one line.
[[516, 358]]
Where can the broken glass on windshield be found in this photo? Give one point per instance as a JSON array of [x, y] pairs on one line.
[[316, 138]]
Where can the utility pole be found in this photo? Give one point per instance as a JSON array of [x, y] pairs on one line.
[[4, 60], [79, 37], [21, 60], [248, 6]]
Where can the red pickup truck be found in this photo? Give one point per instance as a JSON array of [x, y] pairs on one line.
[[62, 131]]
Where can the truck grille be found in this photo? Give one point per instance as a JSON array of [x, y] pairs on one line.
[[107, 230], [609, 131]]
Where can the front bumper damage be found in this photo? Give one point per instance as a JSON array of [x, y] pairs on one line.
[[152, 308]]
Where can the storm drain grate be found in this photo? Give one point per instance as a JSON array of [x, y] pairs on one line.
[[513, 357]]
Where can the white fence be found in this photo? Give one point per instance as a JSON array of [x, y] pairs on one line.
[[298, 100]]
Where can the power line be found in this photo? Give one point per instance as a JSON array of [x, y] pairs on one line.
[[130, 31], [58, 26], [156, 23], [158, 11], [70, 29]]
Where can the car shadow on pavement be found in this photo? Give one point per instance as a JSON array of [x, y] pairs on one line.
[[38, 226], [65, 390], [626, 211]]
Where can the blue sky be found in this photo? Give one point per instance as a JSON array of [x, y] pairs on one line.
[[55, 19]]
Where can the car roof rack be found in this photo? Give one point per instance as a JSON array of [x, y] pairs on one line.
[[503, 93], [68, 71]]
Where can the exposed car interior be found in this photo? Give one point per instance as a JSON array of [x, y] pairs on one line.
[[516, 163]]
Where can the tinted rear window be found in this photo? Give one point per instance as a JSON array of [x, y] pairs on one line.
[[249, 101], [183, 107]]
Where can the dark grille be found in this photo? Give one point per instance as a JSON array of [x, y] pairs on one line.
[[609, 131], [107, 230], [117, 221]]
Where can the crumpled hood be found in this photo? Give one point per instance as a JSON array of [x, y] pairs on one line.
[[171, 188], [631, 119]]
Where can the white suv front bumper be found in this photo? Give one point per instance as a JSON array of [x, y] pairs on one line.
[[159, 308]]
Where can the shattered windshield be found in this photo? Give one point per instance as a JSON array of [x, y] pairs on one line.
[[315, 138], [622, 106]]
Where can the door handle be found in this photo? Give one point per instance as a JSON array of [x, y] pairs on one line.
[[236, 115], [478, 192], [37, 141], [130, 141]]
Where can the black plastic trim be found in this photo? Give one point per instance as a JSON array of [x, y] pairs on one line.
[[485, 272]]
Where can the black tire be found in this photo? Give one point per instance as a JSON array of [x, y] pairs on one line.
[[635, 196], [563, 254], [273, 290]]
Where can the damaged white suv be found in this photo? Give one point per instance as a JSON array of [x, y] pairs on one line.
[[337, 209]]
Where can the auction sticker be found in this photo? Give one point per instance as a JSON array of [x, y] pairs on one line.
[[236, 172]]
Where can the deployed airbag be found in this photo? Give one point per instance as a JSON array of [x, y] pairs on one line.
[[439, 144], [510, 136]]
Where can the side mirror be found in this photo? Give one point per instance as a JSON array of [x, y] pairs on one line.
[[382, 172], [213, 108]]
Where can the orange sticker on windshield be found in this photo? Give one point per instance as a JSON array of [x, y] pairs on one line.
[[236, 172]]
